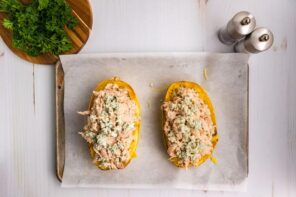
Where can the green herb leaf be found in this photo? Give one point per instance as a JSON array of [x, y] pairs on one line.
[[8, 24], [42, 4]]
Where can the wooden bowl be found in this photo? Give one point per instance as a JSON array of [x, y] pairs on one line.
[[79, 35]]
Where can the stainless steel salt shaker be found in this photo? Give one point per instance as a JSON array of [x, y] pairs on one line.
[[261, 39], [241, 24]]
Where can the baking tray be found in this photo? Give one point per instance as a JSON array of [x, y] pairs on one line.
[[60, 121]]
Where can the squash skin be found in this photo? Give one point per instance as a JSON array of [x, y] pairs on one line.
[[203, 96], [136, 132]]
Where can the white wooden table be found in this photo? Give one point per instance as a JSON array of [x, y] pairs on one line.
[[27, 99]]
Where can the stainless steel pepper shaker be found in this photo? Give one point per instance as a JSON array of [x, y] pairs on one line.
[[241, 24], [261, 39]]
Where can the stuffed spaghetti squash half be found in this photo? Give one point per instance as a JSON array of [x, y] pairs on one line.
[[189, 124], [113, 124]]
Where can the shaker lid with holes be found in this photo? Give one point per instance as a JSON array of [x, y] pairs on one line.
[[241, 24], [259, 40]]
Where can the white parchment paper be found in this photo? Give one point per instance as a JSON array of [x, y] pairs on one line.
[[149, 75]]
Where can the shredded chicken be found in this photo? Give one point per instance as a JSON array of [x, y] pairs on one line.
[[188, 127], [110, 125]]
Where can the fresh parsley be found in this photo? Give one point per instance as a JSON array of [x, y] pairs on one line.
[[39, 27]]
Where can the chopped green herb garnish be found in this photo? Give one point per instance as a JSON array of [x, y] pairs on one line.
[[39, 27]]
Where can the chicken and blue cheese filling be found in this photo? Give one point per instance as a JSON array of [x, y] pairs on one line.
[[188, 127], [110, 125]]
